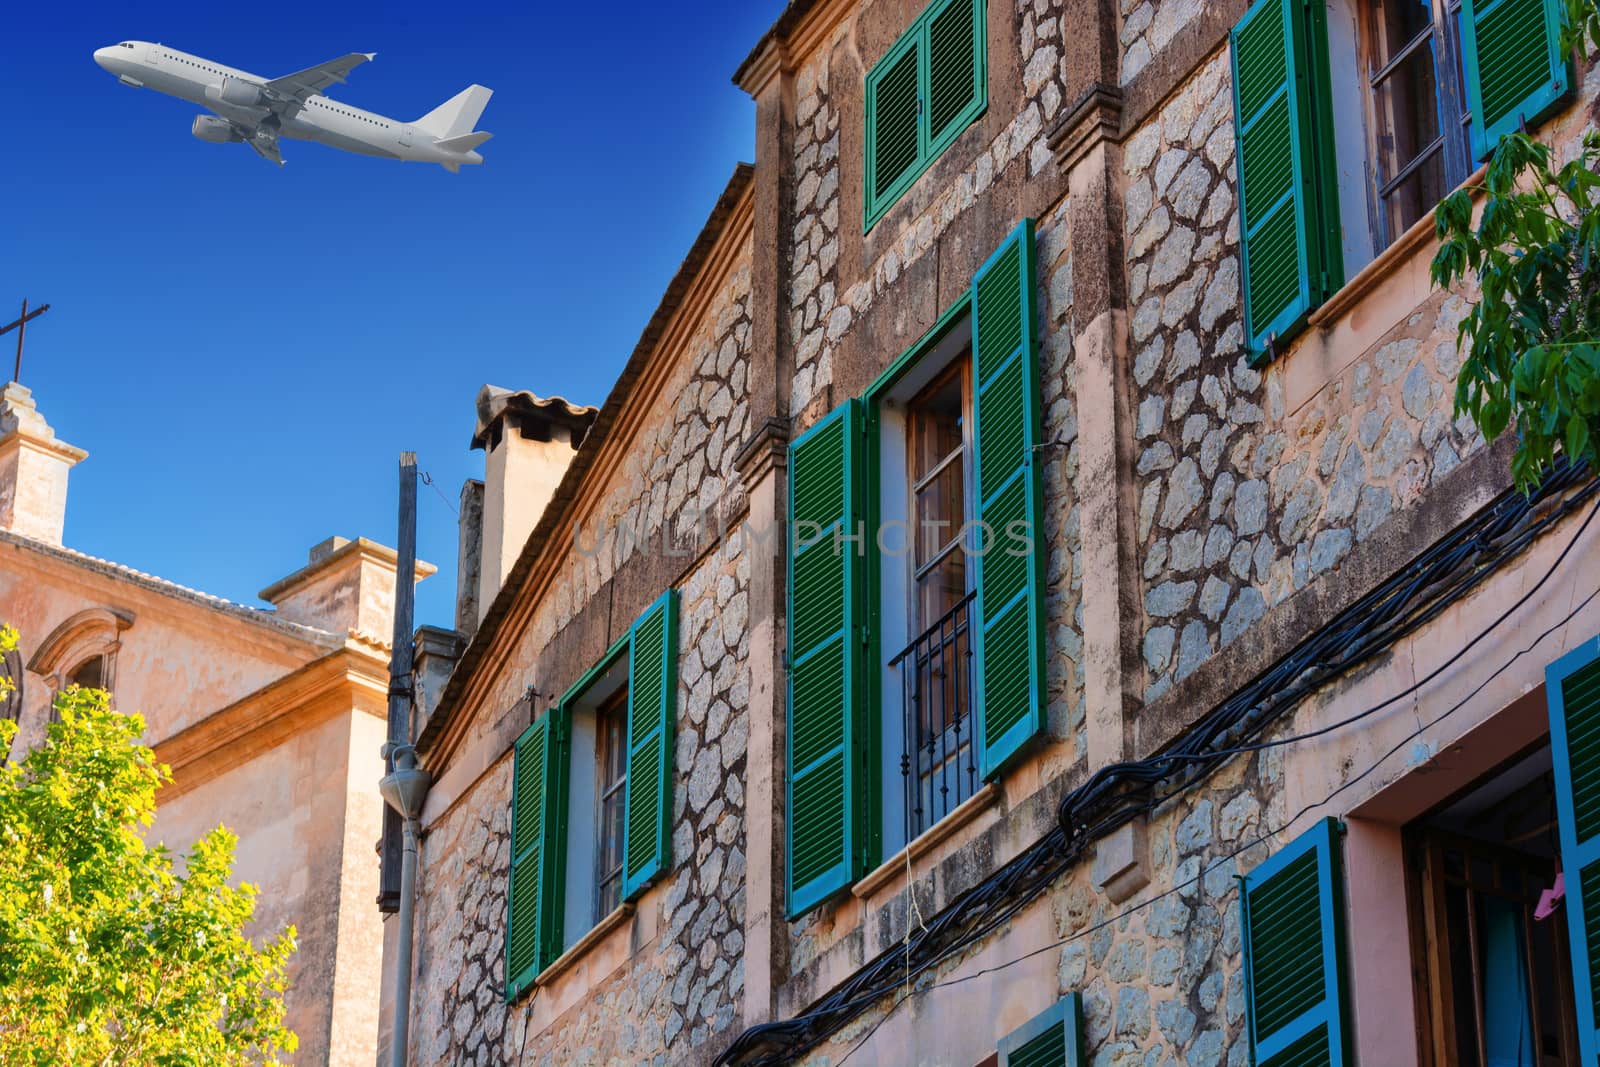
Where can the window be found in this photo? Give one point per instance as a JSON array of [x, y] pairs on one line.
[[1442, 81], [592, 797], [1493, 967], [1417, 102], [929, 87], [11, 695], [613, 775], [915, 662], [925, 589]]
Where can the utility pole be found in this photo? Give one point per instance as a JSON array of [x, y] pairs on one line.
[[20, 324], [405, 785]]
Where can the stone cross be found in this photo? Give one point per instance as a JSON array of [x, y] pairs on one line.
[[21, 326]]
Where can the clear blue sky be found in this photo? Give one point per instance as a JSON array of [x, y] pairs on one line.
[[245, 351]]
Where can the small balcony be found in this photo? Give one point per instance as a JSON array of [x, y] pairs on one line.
[[938, 762]]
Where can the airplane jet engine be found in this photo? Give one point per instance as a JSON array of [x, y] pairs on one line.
[[235, 92], [215, 130]]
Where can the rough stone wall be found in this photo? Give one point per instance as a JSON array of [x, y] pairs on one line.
[[820, 315], [1059, 456], [1148, 26], [1241, 503], [677, 997]]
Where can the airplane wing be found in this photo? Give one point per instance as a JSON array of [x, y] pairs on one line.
[[295, 89]]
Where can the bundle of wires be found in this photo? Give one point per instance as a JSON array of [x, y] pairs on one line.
[[1117, 794]]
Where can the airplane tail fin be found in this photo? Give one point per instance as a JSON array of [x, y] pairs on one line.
[[457, 115]]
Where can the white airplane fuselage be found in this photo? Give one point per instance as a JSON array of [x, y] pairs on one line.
[[212, 85]]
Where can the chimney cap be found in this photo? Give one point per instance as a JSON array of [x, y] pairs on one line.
[[495, 403]]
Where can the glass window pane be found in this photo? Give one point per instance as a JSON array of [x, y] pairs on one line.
[[942, 587], [940, 510], [1416, 196]]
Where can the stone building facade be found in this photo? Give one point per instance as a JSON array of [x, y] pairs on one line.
[[270, 720], [1277, 583]]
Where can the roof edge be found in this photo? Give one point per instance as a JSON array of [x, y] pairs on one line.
[[554, 519]]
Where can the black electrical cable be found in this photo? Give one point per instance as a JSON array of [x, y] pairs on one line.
[[1117, 794]]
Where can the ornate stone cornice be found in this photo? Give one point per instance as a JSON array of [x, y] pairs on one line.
[[1095, 119], [766, 450]]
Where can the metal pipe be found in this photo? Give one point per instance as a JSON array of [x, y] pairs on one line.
[[404, 790], [402, 989]]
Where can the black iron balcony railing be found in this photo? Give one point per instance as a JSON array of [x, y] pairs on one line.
[[938, 763]]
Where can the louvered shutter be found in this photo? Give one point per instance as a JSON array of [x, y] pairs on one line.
[[1572, 690], [1053, 1038], [652, 699], [1294, 954], [538, 836], [955, 68], [828, 747], [1515, 72], [927, 89], [1288, 187], [894, 137], [1009, 636]]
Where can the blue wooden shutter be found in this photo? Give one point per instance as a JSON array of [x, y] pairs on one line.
[[829, 745], [1294, 954], [1572, 690], [1288, 186], [1515, 72], [534, 898], [1008, 637], [652, 699], [1054, 1038]]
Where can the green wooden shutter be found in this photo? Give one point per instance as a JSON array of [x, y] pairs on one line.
[[1515, 72], [1572, 690], [1294, 954], [829, 744], [652, 699], [1054, 1038], [1008, 636], [955, 69], [534, 898], [1288, 187], [927, 89], [893, 127]]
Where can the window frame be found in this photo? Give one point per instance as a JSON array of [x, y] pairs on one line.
[[613, 707], [954, 319], [929, 146], [1452, 144]]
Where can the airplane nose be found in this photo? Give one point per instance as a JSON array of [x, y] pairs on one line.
[[102, 56]]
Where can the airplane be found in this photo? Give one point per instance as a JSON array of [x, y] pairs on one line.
[[259, 111]]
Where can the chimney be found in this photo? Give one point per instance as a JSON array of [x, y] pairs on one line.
[[529, 441], [469, 558], [33, 469], [347, 587]]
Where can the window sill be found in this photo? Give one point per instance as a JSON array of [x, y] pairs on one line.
[[895, 867], [1345, 326], [564, 962]]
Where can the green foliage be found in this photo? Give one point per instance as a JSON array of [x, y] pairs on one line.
[[108, 954], [1531, 342]]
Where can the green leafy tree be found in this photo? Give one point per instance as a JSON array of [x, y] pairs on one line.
[[109, 954], [1531, 342]]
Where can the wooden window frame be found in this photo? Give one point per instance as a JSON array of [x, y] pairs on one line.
[[1452, 144]]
